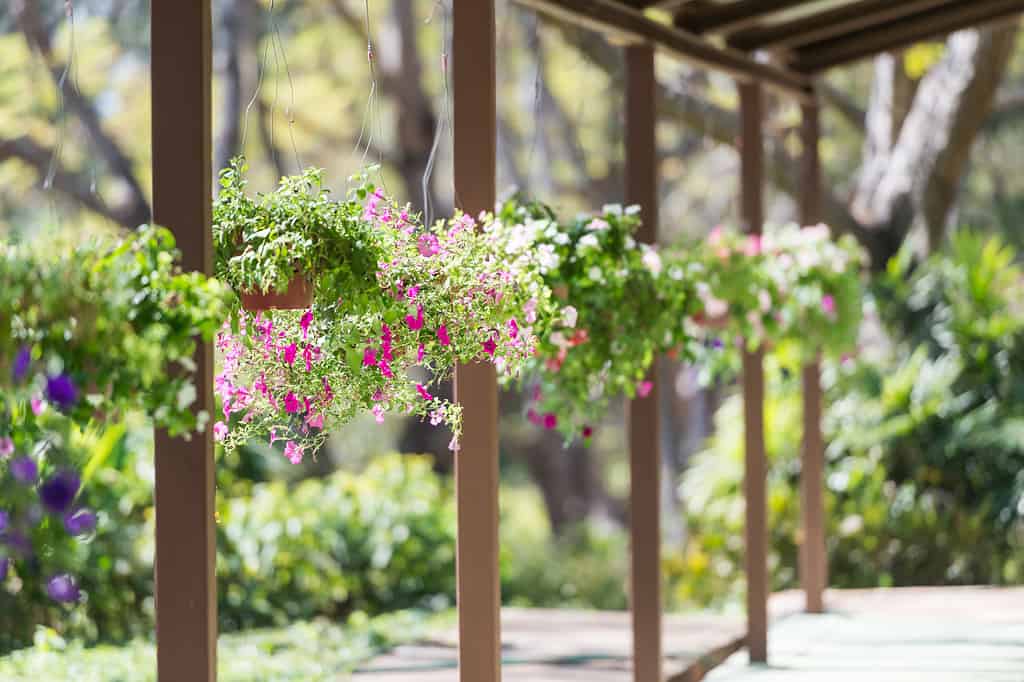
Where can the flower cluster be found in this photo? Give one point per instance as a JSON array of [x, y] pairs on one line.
[[87, 332], [605, 307], [791, 288], [434, 297]]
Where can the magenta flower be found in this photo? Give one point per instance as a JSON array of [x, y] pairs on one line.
[[385, 369], [307, 318], [385, 343], [412, 292], [291, 403], [550, 421], [293, 452], [644, 389], [378, 414], [369, 357], [587, 432], [328, 393], [6, 447], [420, 352], [423, 392], [490, 346], [38, 406], [513, 328], [415, 323], [442, 336], [220, 431], [828, 304], [316, 420], [62, 588], [534, 417], [428, 245], [80, 522], [289, 353]]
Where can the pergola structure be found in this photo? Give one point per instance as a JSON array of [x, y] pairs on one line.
[[802, 38]]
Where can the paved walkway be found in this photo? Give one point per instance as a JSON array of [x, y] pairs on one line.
[[899, 635]]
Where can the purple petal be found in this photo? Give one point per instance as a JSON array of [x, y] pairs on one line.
[[61, 391], [58, 492], [5, 563], [5, 520], [80, 522], [25, 470], [22, 360], [62, 588]]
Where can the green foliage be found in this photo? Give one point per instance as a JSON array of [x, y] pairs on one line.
[[314, 651], [117, 317], [925, 470], [263, 241]]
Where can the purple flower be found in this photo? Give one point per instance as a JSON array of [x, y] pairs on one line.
[[19, 542], [58, 492], [4, 565], [80, 522], [22, 360], [62, 588], [717, 343], [5, 519], [6, 447], [61, 391], [24, 470]]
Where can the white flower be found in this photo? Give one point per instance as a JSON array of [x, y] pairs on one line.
[[588, 241], [186, 395], [595, 274], [561, 239], [614, 209], [547, 259], [676, 273], [630, 243], [633, 209], [651, 260], [569, 316], [764, 299], [598, 225]]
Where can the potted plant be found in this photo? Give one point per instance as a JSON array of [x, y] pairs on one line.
[[88, 332], [611, 305], [394, 301]]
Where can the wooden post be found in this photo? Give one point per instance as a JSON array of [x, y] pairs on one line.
[[476, 386], [186, 599], [644, 441], [755, 471], [813, 558]]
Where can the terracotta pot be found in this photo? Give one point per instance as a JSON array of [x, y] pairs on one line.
[[297, 296]]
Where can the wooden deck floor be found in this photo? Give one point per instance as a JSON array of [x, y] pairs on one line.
[[897, 635]]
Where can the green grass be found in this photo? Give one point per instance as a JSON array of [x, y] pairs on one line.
[[314, 651]]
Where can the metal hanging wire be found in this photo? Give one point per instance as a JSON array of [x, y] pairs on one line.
[[445, 119]]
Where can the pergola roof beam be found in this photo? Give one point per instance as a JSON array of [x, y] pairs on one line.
[[923, 26], [731, 17], [831, 23], [631, 26]]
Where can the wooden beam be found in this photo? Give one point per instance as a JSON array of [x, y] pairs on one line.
[[476, 386], [733, 16], [813, 557], [631, 26], [897, 34], [829, 24], [186, 588], [755, 459], [644, 441]]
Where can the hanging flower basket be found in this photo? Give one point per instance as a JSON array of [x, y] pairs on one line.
[[297, 296]]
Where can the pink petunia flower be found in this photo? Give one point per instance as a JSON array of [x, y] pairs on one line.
[[424, 393], [293, 452], [289, 353], [307, 318], [315, 420], [38, 406], [415, 323], [490, 346], [436, 417], [220, 431], [645, 388], [828, 304], [385, 369], [6, 447], [412, 292], [534, 417], [291, 403], [420, 352], [378, 414], [513, 329], [428, 245], [369, 357], [550, 421], [442, 336], [588, 432]]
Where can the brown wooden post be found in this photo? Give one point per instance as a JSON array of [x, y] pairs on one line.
[[186, 590], [476, 386], [813, 558], [755, 471], [644, 441]]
